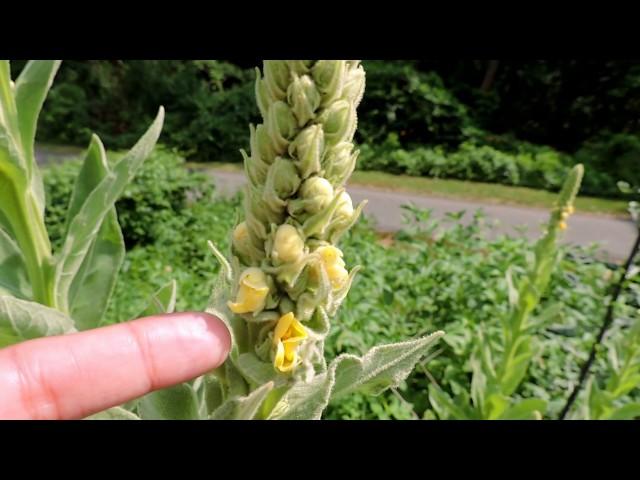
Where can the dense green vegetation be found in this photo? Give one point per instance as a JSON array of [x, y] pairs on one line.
[[526, 124], [416, 281]]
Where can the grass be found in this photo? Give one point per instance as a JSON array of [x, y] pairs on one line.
[[460, 189]]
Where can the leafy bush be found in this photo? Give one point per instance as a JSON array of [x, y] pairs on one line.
[[209, 104], [539, 168], [431, 275], [610, 158], [160, 191], [417, 105]]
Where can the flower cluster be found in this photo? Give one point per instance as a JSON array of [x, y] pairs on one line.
[[289, 275]]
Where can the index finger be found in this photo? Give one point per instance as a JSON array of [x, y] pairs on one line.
[[76, 375]]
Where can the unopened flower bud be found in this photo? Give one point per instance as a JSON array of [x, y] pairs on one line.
[[354, 85], [333, 264], [339, 122], [318, 192], [299, 67], [329, 76], [282, 182], [344, 212], [308, 148], [339, 163], [288, 245], [241, 240], [304, 98], [276, 75], [261, 144], [281, 125]]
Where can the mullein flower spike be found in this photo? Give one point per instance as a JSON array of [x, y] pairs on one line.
[[290, 274]]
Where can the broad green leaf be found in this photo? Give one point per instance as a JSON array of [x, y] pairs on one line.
[[495, 405], [243, 408], [31, 88], [626, 412], [13, 274], [93, 285], [383, 367], [529, 409], [236, 384], [212, 394], [163, 301], [115, 413], [27, 320], [85, 226], [444, 406], [511, 289], [516, 369], [254, 369], [175, 403], [305, 401]]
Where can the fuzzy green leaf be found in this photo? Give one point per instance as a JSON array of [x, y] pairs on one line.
[[383, 367], [13, 274], [163, 301], [27, 320], [115, 413], [85, 226], [243, 408], [93, 285], [175, 403]]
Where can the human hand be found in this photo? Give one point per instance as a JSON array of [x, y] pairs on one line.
[[74, 376]]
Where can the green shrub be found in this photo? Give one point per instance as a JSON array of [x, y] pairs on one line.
[[209, 104], [610, 158], [161, 190], [538, 168], [417, 105]]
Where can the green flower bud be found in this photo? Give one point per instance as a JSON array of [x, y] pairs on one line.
[[255, 169], [281, 125], [241, 241], [304, 98], [261, 146], [339, 163], [339, 122], [354, 85], [308, 148], [277, 77], [300, 67], [282, 182], [264, 98], [329, 76]]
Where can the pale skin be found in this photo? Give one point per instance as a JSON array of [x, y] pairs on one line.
[[74, 376]]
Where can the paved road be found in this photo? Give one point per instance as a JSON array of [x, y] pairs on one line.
[[615, 236]]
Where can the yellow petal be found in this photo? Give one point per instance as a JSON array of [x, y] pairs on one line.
[[283, 326], [278, 361]]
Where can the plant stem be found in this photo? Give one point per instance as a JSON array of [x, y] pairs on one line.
[[33, 240], [606, 323]]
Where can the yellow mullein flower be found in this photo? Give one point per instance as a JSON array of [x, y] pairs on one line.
[[287, 336], [252, 292], [562, 226], [570, 209], [334, 265]]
